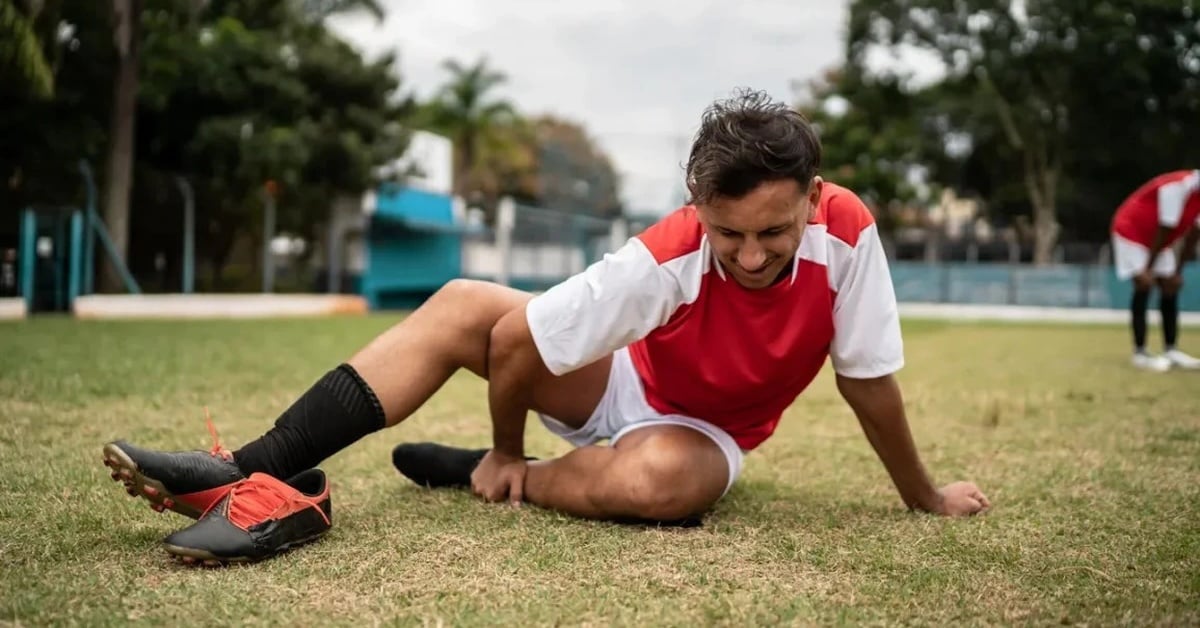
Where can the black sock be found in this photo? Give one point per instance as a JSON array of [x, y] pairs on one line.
[[1141, 298], [1168, 306], [337, 411]]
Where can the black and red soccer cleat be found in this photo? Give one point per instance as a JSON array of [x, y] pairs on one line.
[[259, 518], [186, 482]]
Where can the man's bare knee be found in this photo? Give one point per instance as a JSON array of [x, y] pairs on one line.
[[658, 480], [474, 295]]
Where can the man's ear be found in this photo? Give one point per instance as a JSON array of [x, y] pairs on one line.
[[814, 190]]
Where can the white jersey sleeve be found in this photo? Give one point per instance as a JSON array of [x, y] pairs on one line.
[[867, 342], [614, 302], [1173, 196]]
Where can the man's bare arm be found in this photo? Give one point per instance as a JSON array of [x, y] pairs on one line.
[[879, 406], [513, 362]]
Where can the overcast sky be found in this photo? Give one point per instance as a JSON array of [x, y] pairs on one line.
[[637, 73]]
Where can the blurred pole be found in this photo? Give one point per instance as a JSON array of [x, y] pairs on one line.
[[1085, 285], [268, 277], [189, 235], [1014, 261], [28, 256], [75, 255], [506, 219], [618, 233], [334, 251], [89, 229], [58, 253], [947, 288]]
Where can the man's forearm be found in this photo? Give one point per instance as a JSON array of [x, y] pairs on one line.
[[1189, 246], [879, 407]]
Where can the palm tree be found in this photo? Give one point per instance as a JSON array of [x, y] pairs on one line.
[[464, 111]]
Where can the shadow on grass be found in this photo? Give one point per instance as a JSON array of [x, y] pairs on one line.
[[749, 503]]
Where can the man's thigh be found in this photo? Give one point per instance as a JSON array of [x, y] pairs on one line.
[[573, 397]]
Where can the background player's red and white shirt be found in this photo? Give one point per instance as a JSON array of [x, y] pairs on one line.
[[1169, 200], [708, 348]]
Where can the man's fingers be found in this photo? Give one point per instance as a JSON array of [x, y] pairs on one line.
[[516, 489], [983, 500]]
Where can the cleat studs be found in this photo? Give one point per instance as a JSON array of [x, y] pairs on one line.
[[157, 507], [115, 475], [188, 560], [150, 491], [132, 492], [126, 474], [212, 562], [169, 503]]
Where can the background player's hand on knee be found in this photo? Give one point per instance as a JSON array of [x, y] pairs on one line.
[[499, 475], [1144, 280], [1173, 283]]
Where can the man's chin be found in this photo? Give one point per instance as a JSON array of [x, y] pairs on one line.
[[755, 282]]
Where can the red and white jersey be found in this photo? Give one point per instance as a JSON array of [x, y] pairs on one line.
[[706, 347], [1169, 200]]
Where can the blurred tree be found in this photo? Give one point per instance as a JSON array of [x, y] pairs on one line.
[[42, 139], [118, 177], [872, 136], [507, 163], [464, 110], [1050, 94], [25, 70], [257, 92], [573, 172]]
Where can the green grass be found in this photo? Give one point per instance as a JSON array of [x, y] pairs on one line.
[[1093, 470]]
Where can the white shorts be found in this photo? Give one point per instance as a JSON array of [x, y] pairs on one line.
[[1129, 259], [623, 409]]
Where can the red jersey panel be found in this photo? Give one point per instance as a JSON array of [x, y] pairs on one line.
[[1168, 200]]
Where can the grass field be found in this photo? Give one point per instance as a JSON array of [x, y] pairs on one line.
[[1093, 470]]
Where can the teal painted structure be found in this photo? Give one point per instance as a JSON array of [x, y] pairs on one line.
[[413, 247], [53, 282]]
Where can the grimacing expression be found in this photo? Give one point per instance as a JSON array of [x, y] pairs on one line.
[[755, 237]]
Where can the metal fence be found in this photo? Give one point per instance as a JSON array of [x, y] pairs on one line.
[[534, 248]]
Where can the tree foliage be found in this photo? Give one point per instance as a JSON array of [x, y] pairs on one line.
[[1051, 110], [233, 94]]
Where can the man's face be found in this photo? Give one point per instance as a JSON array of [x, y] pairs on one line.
[[755, 237]]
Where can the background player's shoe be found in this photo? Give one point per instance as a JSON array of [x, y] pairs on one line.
[[1182, 360], [259, 518], [1154, 363], [186, 482]]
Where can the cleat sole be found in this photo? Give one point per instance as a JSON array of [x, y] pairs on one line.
[[192, 556], [125, 470]]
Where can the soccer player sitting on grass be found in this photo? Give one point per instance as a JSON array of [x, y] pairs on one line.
[[1145, 228], [682, 349]]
